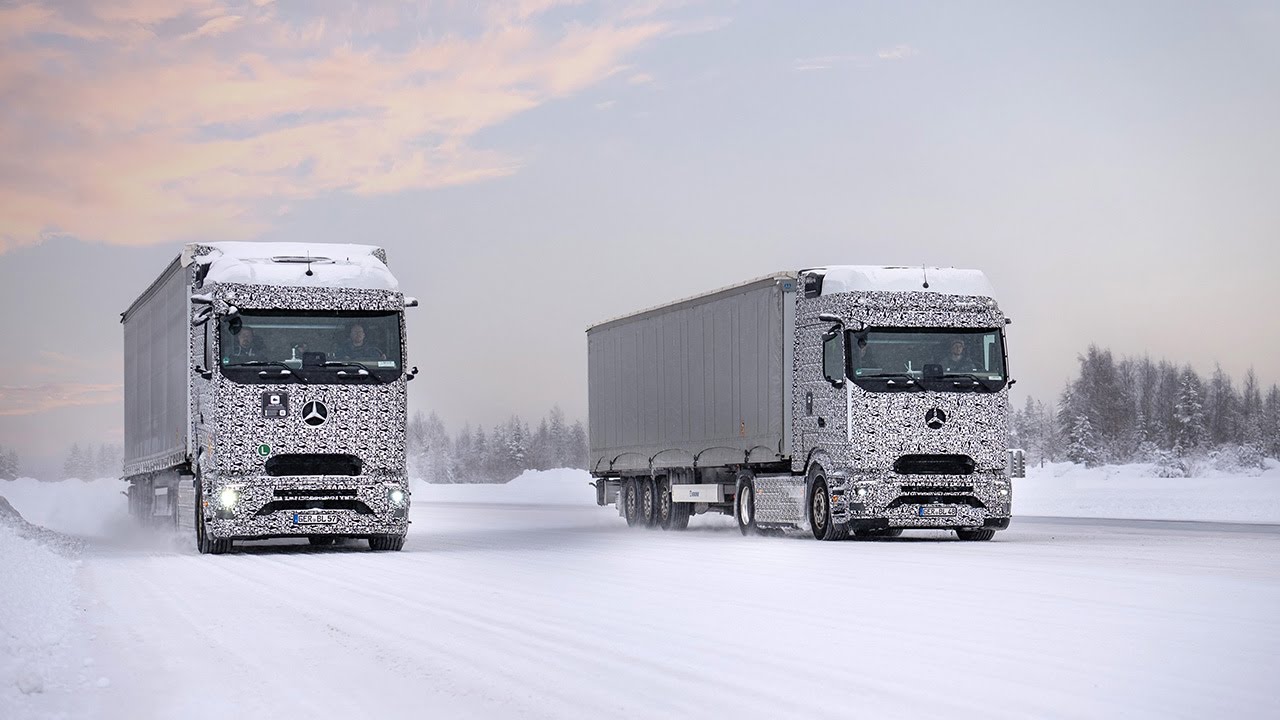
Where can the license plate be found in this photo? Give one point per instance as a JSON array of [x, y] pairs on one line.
[[937, 511], [314, 518]]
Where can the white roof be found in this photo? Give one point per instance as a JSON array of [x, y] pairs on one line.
[[947, 281], [334, 265]]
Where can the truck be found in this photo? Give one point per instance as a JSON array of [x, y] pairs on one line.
[[850, 400], [265, 396]]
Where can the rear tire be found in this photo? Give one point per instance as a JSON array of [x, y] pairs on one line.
[[648, 502], [745, 507], [386, 543], [663, 488], [630, 502], [824, 528], [976, 535]]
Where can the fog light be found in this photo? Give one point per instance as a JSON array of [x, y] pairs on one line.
[[1004, 492], [228, 498], [396, 496]]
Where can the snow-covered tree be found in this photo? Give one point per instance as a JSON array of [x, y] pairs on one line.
[[108, 461], [578, 453], [1083, 446], [79, 463], [8, 464], [1189, 429]]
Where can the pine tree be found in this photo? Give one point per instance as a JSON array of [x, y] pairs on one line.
[[79, 464], [481, 460], [1189, 426], [1271, 423], [464, 456], [438, 455], [1252, 422], [8, 464], [578, 450], [1083, 447], [517, 449], [561, 442]]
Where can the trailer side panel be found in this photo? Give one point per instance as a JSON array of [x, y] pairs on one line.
[[156, 367], [704, 378]]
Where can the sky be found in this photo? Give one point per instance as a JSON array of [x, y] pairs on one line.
[[535, 166]]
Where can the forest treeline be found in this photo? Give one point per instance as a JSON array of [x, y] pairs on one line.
[[496, 455], [1140, 410]]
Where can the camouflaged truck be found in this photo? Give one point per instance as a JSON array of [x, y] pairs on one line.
[[850, 400], [265, 396]]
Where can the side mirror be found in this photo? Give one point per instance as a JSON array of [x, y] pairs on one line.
[[413, 373], [410, 301], [830, 317], [833, 357]]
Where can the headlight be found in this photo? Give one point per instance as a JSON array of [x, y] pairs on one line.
[[396, 496], [228, 497], [862, 492]]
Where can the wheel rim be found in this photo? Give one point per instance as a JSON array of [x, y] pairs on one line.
[[820, 507], [744, 507], [646, 503], [664, 503]]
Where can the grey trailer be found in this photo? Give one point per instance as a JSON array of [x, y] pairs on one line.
[[265, 396], [758, 401]]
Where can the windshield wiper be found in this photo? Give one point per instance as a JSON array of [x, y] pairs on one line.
[[977, 381], [889, 378], [273, 363], [365, 370]]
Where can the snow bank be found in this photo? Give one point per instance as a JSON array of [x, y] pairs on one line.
[[563, 486], [1133, 492], [75, 507], [41, 657]]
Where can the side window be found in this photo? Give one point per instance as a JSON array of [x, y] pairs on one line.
[[209, 327], [833, 357]]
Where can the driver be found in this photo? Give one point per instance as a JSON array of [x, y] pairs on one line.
[[355, 347], [957, 359], [245, 345]]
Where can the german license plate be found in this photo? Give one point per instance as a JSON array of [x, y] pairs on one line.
[[314, 518], [937, 511]]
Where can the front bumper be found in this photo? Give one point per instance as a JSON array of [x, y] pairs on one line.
[[980, 500], [270, 507]]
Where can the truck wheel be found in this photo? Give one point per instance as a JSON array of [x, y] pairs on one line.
[[745, 504], [663, 488], [382, 543], [630, 502], [205, 544], [976, 535], [648, 502], [824, 528]]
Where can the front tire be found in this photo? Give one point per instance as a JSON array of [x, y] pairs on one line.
[[205, 544], [824, 528], [386, 543]]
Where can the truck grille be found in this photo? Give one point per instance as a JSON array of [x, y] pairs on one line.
[[934, 465], [290, 465]]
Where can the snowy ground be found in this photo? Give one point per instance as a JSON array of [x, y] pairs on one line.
[[529, 601]]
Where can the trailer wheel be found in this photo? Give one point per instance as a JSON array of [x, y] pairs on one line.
[[205, 544], [630, 502], [383, 543], [745, 505], [976, 535], [648, 502], [663, 488], [824, 528]]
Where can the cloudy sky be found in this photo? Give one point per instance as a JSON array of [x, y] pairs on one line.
[[538, 165]]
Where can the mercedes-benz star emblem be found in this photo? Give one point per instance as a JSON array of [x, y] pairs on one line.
[[315, 413], [935, 418]]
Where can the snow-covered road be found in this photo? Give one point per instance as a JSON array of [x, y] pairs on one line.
[[561, 611]]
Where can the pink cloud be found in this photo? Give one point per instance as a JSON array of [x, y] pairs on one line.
[[206, 129], [33, 399]]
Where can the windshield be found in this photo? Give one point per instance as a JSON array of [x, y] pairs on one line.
[[310, 346], [941, 359]]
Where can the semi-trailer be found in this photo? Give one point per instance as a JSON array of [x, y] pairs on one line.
[[265, 395], [851, 400]]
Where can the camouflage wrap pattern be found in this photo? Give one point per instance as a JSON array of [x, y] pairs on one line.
[[864, 432]]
